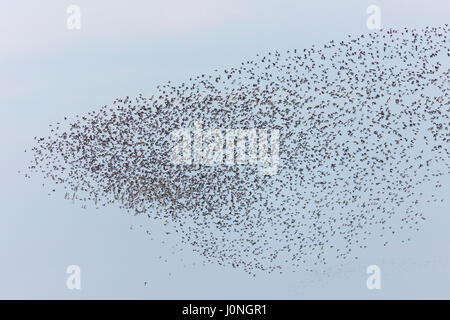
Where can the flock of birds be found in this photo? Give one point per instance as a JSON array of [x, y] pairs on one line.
[[364, 124]]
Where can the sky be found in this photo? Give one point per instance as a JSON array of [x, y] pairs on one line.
[[126, 48]]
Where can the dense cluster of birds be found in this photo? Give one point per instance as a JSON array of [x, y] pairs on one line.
[[364, 122]]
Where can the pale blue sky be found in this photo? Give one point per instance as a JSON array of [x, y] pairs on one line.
[[129, 47]]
